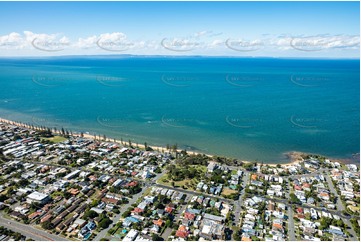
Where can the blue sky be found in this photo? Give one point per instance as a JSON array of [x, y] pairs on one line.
[[277, 29]]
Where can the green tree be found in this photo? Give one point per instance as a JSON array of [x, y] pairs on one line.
[[294, 199], [236, 235], [105, 222], [156, 237], [126, 214], [47, 225], [90, 214]]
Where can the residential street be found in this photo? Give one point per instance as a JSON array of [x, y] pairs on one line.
[[238, 203], [194, 193], [168, 231], [42, 235], [291, 222], [341, 207], [29, 231], [123, 208]]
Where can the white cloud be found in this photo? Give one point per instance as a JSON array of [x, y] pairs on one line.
[[86, 43], [116, 36], [207, 33], [204, 41], [202, 33], [12, 41], [30, 36], [47, 42], [317, 42], [216, 43], [64, 40]]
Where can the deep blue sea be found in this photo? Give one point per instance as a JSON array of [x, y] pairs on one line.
[[247, 108]]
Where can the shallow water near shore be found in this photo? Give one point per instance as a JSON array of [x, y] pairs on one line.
[[247, 108]]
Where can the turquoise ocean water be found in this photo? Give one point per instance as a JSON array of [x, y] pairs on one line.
[[247, 108]]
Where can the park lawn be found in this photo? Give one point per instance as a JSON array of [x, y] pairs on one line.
[[182, 183], [200, 168], [55, 139], [164, 180], [343, 167], [233, 172], [227, 191]]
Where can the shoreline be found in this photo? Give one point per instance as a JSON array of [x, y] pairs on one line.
[[294, 157], [99, 137]]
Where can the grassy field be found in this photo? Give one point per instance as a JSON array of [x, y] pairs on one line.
[[353, 208], [147, 192], [189, 184], [56, 193], [55, 139], [164, 180], [226, 191]]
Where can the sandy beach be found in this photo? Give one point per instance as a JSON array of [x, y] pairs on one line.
[[89, 136], [294, 156]]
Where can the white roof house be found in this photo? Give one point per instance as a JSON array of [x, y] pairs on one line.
[[132, 234], [37, 197]]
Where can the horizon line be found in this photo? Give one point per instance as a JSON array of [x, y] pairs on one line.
[[177, 56]]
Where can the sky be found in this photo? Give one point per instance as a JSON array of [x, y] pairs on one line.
[[272, 29]]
